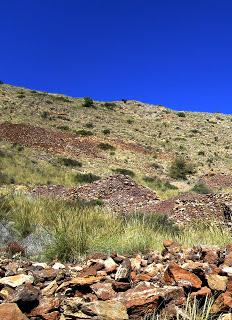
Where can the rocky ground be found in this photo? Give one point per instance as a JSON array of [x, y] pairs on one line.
[[117, 287]]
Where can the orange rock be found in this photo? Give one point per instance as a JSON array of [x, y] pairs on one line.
[[183, 277], [46, 305], [10, 311], [203, 292]]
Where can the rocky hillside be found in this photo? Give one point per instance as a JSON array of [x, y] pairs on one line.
[[39, 129]]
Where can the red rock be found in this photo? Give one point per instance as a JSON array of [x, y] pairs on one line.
[[183, 277], [103, 291], [10, 311], [55, 315], [211, 257], [46, 305], [203, 292], [145, 298]]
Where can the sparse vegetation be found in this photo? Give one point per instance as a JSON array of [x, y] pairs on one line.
[[126, 172], [106, 146], [83, 132], [88, 102], [180, 168], [70, 162], [86, 177]]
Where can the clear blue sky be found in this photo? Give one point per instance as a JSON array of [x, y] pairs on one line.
[[172, 52]]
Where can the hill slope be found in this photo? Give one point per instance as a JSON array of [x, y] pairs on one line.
[[126, 135]]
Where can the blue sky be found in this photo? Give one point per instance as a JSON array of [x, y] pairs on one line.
[[176, 53]]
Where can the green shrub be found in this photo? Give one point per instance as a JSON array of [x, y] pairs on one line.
[[1, 82], [70, 162], [110, 105], [180, 168], [130, 121], [89, 125], [45, 115], [65, 128], [126, 172], [86, 177], [157, 183], [88, 102], [106, 146], [181, 114], [201, 188], [83, 132], [106, 131]]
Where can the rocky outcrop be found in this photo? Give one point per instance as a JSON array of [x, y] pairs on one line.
[[117, 287]]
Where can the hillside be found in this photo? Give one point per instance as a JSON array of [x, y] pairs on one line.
[[37, 129], [134, 199]]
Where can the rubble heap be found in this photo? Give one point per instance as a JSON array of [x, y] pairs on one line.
[[117, 287]]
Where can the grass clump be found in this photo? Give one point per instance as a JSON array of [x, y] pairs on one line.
[[83, 132], [110, 105], [201, 188], [86, 177], [106, 146], [70, 162], [156, 183], [180, 168], [126, 172]]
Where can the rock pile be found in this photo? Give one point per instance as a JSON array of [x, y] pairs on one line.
[[117, 287], [188, 207], [118, 192]]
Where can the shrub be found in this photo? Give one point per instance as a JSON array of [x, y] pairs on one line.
[[106, 146], [70, 162], [181, 114], [65, 128], [106, 131], [83, 132], [124, 100], [45, 115], [86, 177], [157, 183], [88, 102], [201, 188], [130, 121], [180, 168], [126, 172], [89, 125], [1, 82], [110, 105]]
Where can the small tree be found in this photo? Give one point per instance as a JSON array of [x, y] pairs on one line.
[[180, 168], [88, 102]]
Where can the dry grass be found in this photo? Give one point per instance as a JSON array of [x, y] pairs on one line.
[[81, 228]]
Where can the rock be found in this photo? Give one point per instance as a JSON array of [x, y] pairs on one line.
[[211, 257], [183, 277], [123, 272], [222, 303], [50, 289], [217, 282], [203, 292], [45, 275], [145, 298], [26, 297], [46, 305], [107, 310], [17, 280], [10, 311], [227, 316], [136, 263], [55, 315], [110, 265], [36, 242], [6, 234], [153, 268], [58, 266], [103, 291], [80, 281]]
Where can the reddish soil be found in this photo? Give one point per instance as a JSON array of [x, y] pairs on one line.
[[60, 142], [217, 180]]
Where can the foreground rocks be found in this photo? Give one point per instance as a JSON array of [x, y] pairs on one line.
[[117, 287]]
